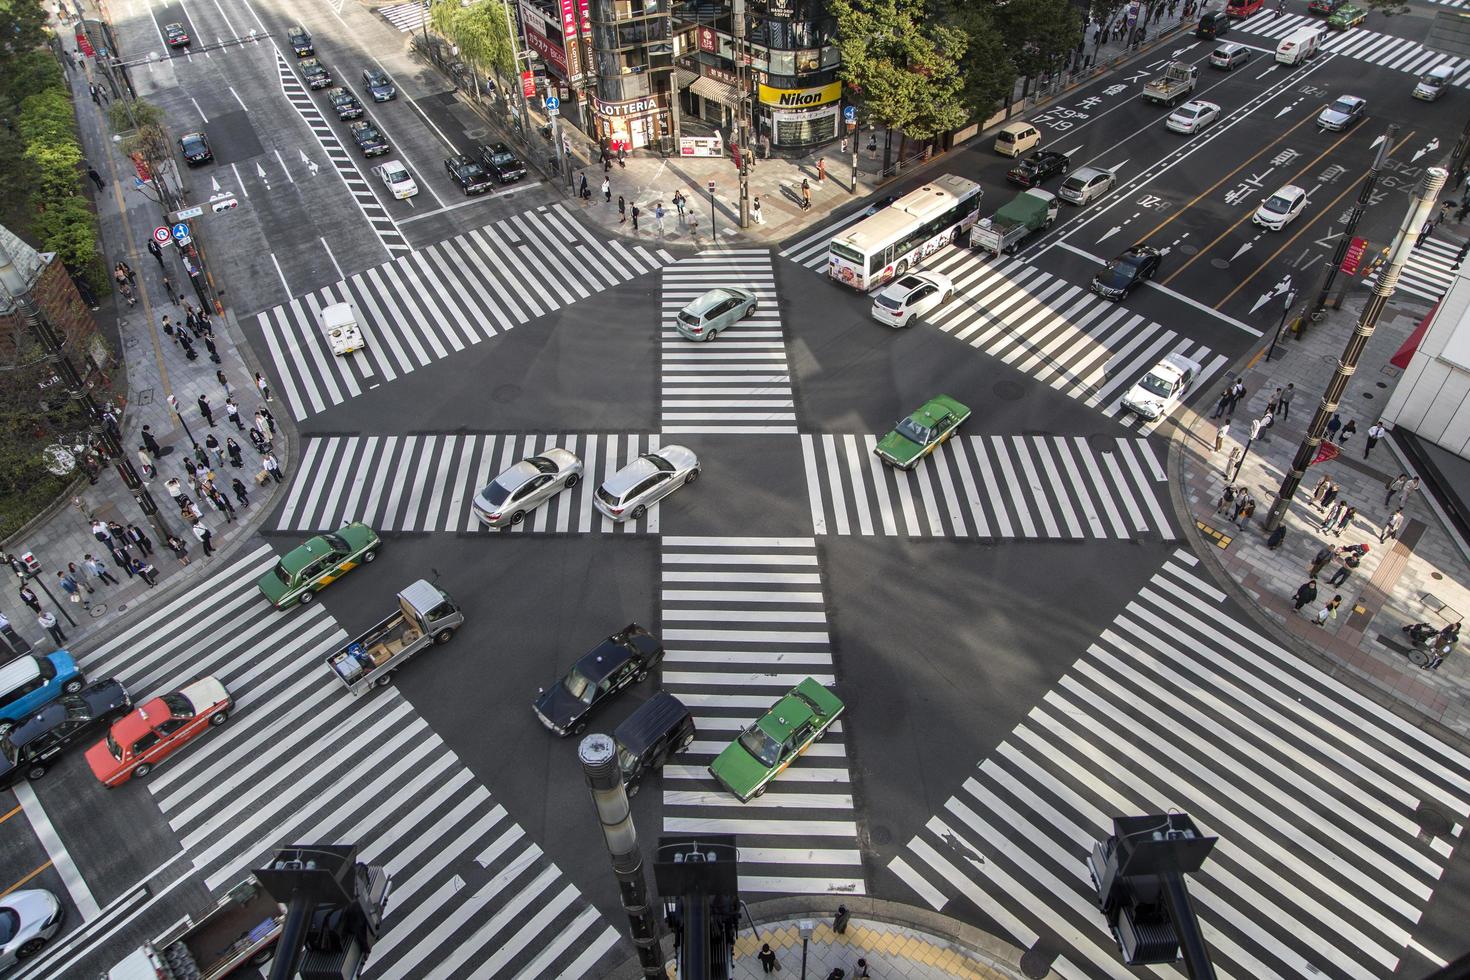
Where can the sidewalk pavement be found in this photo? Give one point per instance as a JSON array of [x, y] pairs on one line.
[[154, 366], [1420, 575], [890, 952]]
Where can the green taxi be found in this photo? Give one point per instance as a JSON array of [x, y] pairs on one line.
[[1346, 16], [304, 571], [918, 435], [773, 741]]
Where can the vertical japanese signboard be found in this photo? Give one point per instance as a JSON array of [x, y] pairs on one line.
[[570, 33]]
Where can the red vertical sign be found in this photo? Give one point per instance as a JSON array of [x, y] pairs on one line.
[[528, 84], [569, 34]]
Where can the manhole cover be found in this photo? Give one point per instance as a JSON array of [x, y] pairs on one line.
[[1188, 249], [1009, 390], [1101, 443], [1432, 821], [1036, 962], [506, 393], [880, 835], [1220, 263]]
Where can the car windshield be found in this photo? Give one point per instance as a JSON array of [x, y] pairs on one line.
[[889, 301], [193, 144], [767, 750], [1278, 204], [396, 175], [913, 431], [113, 747], [501, 157], [282, 574], [337, 542], [1344, 106], [367, 133], [659, 463], [178, 705], [9, 925], [542, 464], [578, 686], [1155, 385]]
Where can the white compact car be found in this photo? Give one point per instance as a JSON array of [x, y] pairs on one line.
[[1281, 208], [1192, 117], [397, 179], [1158, 391], [29, 918], [910, 295]]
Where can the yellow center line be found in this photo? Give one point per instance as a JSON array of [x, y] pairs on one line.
[[25, 879], [11, 813], [1247, 216], [1301, 231]]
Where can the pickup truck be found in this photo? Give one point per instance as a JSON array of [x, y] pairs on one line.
[[242, 927], [1030, 211], [1173, 86], [425, 615]]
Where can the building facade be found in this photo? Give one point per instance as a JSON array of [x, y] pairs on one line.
[[1432, 399]]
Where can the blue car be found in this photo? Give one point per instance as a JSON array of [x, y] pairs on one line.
[[30, 683]]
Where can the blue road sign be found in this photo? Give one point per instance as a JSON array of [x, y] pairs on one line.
[[553, 103], [137, 181], [181, 230], [849, 114]]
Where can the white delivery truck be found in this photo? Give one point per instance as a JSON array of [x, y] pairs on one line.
[[1300, 44], [339, 323], [242, 928]]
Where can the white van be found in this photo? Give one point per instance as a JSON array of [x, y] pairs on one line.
[[339, 323], [1433, 83], [1300, 44], [1016, 138]]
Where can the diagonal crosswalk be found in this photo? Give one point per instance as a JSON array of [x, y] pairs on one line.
[[739, 382], [1323, 867], [990, 487], [1374, 47], [1059, 333], [1429, 270], [743, 622], [436, 301], [428, 482], [302, 760]]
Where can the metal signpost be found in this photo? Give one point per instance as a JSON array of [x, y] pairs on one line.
[[712, 210], [849, 116]]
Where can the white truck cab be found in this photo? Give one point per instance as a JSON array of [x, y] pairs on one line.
[[1432, 84], [339, 323]]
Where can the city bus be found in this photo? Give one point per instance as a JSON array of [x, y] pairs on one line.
[[898, 237]]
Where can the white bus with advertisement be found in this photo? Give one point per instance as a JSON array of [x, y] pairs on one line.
[[902, 235]]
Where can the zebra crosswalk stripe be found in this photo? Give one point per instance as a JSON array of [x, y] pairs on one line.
[[989, 487], [431, 481], [1310, 787], [744, 622], [407, 17], [1374, 47], [438, 301], [740, 382], [465, 876], [1429, 270]]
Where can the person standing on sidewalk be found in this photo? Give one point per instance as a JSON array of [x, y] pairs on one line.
[[679, 200], [48, 623], [1220, 434], [28, 596], [205, 411], [145, 571], [261, 384], [211, 442], [606, 191], [136, 535], [1223, 403], [1328, 611], [1319, 490], [205, 537], [1333, 424], [237, 460], [1376, 431], [1391, 526], [239, 489], [1346, 518], [1348, 559], [635, 217], [98, 569], [658, 217], [1306, 594], [82, 575], [806, 195], [232, 413], [180, 550], [1285, 401], [156, 251], [1348, 431], [755, 211], [173, 293], [72, 589], [271, 466], [1227, 499], [821, 170], [1321, 559]]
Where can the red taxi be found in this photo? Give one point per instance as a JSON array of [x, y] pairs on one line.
[[160, 727]]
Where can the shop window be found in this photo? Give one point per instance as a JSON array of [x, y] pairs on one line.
[[783, 62], [831, 56]]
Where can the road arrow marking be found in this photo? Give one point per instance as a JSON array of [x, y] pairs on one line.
[[260, 172], [1116, 167], [1374, 144], [214, 182], [1242, 250], [1109, 233], [1429, 147]]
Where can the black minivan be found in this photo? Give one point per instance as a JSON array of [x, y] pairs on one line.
[[1213, 24], [651, 735]]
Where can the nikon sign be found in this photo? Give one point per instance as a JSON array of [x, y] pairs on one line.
[[800, 98]]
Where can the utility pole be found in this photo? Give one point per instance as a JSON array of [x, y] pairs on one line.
[[1388, 279], [51, 341], [520, 86], [604, 777], [1365, 194], [742, 116]]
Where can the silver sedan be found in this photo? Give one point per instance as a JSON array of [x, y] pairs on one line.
[[628, 493], [526, 486]]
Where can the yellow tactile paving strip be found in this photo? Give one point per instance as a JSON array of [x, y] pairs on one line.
[[884, 946]]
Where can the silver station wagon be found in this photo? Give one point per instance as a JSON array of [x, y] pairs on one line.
[[628, 493], [714, 311]]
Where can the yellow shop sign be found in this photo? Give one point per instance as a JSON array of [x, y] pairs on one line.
[[800, 98]]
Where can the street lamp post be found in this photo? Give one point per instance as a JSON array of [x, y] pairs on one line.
[[806, 928], [1255, 431], [1365, 195]]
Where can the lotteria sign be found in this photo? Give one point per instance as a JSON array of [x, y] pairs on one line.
[[800, 98]]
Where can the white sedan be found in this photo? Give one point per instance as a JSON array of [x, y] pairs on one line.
[[911, 295], [1192, 117], [397, 179], [1281, 208]]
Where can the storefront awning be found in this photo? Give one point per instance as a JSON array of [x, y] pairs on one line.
[[716, 91], [1405, 353], [684, 78]]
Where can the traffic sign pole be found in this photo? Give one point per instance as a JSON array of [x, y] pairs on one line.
[[712, 210], [849, 116]]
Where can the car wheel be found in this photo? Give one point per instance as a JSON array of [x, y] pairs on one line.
[[1065, 167], [219, 718], [709, 335], [306, 597], [948, 296], [264, 956], [633, 790], [572, 481], [72, 686], [693, 475], [902, 268], [579, 728], [30, 948], [688, 741], [369, 557], [444, 635], [638, 512], [517, 517], [760, 792], [36, 771], [141, 769], [640, 677]]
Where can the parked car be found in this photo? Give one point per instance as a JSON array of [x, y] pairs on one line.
[[1134, 267], [774, 740], [1157, 392], [707, 315], [1230, 56], [1085, 184], [468, 174], [315, 73], [628, 493], [195, 149], [525, 486], [344, 102], [502, 164], [31, 749], [378, 84], [1346, 111], [1038, 167], [29, 918], [623, 659], [27, 684], [176, 36], [397, 179], [300, 41], [149, 734], [910, 295], [1192, 117], [1281, 208], [305, 571], [368, 138], [921, 433]]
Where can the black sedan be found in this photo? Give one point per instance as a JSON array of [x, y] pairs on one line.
[[344, 102], [621, 660], [371, 142], [195, 148], [315, 73], [378, 84], [29, 750], [300, 41], [1127, 272], [1037, 167], [502, 163], [468, 174], [176, 35]]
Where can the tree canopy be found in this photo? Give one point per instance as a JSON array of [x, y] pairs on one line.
[[479, 31]]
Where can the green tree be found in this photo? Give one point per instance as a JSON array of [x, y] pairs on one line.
[[149, 137], [1039, 33], [480, 33], [986, 71], [902, 65], [22, 27]]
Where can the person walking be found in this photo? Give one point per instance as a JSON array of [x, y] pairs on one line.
[[821, 170], [583, 191], [98, 569], [1246, 511], [261, 385], [139, 538], [1394, 486], [679, 200], [1333, 424], [237, 459], [221, 502], [73, 589], [1330, 496], [1223, 403], [1277, 537], [1347, 432], [156, 251], [270, 421], [224, 383], [1321, 559], [150, 443], [29, 597], [48, 623], [806, 195], [1319, 490], [179, 548], [271, 466], [755, 211], [1424, 231], [658, 217], [635, 217], [239, 488], [767, 958], [1220, 433], [606, 191], [1332, 514], [1444, 212], [693, 223], [205, 410], [258, 441], [1305, 594], [1407, 491], [173, 293], [232, 414], [1328, 611], [1347, 560], [1391, 526], [212, 443], [96, 178], [1376, 431], [1343, 520], [204, 537]]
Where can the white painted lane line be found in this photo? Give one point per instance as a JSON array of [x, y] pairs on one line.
[[76, 886], [1172, 293]]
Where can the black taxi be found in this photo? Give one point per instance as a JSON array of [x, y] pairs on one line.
[[621, 660]]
